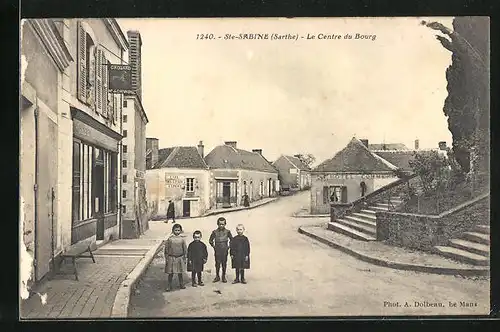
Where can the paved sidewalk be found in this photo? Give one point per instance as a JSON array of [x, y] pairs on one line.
[[378, 253], [239, 208], [94, 294]]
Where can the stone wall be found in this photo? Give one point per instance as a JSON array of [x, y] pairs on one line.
[[423, 232]]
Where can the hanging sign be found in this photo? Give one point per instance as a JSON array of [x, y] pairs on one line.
[[120, 78]]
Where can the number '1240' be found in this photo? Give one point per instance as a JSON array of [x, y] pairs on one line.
[[205, 36]]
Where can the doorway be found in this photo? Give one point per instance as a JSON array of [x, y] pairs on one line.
[[226, 194], [98, 192], [186, 208]]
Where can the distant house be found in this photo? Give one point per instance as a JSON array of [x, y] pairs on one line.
[[293, 173], [235, 172], [179, 174], [353, 172], [388, 146]]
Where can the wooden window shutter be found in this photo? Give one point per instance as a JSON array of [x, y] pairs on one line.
[[115, 108], [105, 97], [98, 82], [82, 64], [325, 195], [344, 195]]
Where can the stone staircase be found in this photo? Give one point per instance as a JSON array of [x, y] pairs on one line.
[[472, 247], [362, 225]]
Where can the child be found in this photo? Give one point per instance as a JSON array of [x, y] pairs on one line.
[[219, 241], [240, 254], [197, 256], [175, 256]]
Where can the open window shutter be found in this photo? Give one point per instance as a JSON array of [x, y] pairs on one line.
[[98, 82], [325, 195], [82, 64], [112, 116], [344, 195], [104, 71]]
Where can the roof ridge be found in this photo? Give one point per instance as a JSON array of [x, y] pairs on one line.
[[388, 164]]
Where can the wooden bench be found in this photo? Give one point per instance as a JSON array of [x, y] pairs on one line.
[[77, 251]]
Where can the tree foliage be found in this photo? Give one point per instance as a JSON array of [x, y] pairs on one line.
[[467, 104], [433, 169], [306, 159]]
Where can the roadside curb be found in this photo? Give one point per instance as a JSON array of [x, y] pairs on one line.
[[240, 209], [396, 265], [122, 298]]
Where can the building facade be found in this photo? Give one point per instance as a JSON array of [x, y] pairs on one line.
[[181, 175], [352, 173], [293, 173], [134, 204], [236, 172], [70, 135]]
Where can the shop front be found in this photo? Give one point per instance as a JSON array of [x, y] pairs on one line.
[[95, 214]]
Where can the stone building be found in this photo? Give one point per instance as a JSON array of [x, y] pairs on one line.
[[179, 174], [352, 172], [70, 134], [293, 173], [235, 172], [134, 204]]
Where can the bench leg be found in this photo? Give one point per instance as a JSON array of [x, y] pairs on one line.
[[92, 255], [74, 268]]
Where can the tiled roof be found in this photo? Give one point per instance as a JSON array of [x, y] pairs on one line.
[[297, 163], [355, 157], [180, 157], [227, 157], [400, 159], [387, 146]]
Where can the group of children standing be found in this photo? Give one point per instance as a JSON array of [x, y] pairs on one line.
[[196, 254]]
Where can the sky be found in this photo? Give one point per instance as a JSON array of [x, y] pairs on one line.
[[293, 96]]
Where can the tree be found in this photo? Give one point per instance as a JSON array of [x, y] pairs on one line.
[[467, 104], [433, 170], [306, 159]]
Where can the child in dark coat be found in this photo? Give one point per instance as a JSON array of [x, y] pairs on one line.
[[197, 256], [240, 254], [219, 241]]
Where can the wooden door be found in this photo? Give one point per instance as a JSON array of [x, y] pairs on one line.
[[186, 208], [46, 160]]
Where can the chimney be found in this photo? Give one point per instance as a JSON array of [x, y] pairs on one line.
[[152, 157], [259, 151], [365, 142], [417, 144], [231, 144], [442, 145], [200, 149]]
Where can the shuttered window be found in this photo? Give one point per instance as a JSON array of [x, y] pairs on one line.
[[82, 64], [107, 99], [98, 82]]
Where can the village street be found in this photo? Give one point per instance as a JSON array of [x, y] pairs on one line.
[[292, 274]]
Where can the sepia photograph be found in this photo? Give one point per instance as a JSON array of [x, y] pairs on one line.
[[254, 167]]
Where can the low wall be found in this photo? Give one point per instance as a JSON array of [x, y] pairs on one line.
[[423, 232]]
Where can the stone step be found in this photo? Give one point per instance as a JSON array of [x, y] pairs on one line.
[[369, 211], [462, 255], [485, 229], [477, 237], [363, 220], [343, 229], [473, 247], [364, 215], [359, 226], [378, 208]]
